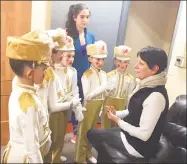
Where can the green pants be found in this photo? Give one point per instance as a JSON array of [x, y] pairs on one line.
[[91, 115], [42, 150], [119, 104], [57, 123]]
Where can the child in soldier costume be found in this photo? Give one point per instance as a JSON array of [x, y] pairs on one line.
[[124, 84], [59, 114], [28, 119], [52, 96], [94, 82], [66, 73]]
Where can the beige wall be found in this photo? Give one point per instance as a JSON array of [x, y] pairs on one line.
[[153, 23], [176, 83], [150, 23], [41, 15]]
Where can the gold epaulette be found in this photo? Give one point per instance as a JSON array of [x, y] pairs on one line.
[[26, 100], [49, 75], [131, 76], [111, 73], [88, 73]]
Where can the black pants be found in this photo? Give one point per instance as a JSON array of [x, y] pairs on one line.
[[100, 138]]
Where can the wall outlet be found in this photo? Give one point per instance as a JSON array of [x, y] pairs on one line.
[[180, 61]]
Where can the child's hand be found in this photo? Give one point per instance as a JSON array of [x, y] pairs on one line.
[[83, 109], [79, 115], [88, 98], [111, 87], [69, 96], [76, 101]]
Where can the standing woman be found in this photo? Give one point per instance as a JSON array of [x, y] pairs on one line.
[[78, 19]]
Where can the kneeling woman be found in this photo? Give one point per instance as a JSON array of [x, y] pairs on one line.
[[141, 125]]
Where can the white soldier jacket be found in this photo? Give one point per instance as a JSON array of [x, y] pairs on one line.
[[28, 125], [94, 84], [68, 79], [52, 93], [124, 84]]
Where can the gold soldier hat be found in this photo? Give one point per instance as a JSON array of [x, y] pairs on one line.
[[97, 50], [122, 52], [33, 46], [63, 42]]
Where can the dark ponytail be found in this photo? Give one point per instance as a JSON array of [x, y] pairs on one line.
[[70, 26]]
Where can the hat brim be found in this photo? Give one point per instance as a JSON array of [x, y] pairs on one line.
[[123, 59], [65, 49], [99, 56], [46, 63]]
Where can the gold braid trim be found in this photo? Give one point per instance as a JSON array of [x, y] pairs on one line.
[[6, 153], [25, 160], [88, 73]]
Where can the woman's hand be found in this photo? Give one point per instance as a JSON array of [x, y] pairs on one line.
[[112, 109], [111, 113]]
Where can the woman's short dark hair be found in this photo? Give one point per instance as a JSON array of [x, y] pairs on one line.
[[18, 66], [154, 56], [74, 10]]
